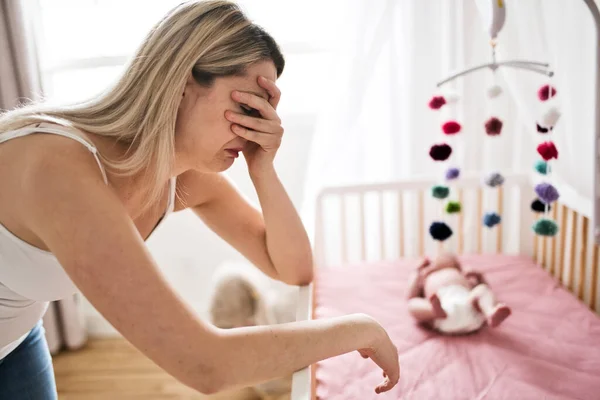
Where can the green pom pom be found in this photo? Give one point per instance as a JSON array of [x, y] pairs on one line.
[[440, 191], [545, 227], [453, 207], [541, 167]]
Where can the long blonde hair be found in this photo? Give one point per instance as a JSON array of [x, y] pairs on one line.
[[207, 38]]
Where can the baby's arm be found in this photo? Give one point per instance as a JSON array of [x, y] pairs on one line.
[[416, 282], [474, 277]]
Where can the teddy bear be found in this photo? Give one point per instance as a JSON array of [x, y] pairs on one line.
[[244, 296]]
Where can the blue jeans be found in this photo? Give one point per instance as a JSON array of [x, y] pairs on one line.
[[27, 373]]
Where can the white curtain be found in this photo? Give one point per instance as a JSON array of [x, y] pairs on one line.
[[562, 33], [375, 124]]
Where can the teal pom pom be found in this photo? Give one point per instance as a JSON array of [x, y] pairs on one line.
[[541, 167], [440, 191], [453, 207], [545, 227], [491, 219]]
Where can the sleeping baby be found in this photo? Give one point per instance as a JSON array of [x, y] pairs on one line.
[[448, 299]]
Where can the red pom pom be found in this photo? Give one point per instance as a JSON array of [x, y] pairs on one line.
[[440, 152], [451, 127], [546, 92], [437, 102], [493, 126], [547, 150]]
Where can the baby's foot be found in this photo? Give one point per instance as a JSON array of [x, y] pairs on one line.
[[437, 306], [500, 313]]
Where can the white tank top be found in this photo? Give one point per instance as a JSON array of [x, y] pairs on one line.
[[31, 277]]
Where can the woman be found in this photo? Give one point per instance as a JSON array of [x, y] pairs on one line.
[[77, 203]]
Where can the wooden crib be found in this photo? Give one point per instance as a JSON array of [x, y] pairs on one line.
[[390, 221]]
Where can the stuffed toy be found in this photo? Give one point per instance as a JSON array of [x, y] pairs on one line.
[[243, 296], [452, 300]]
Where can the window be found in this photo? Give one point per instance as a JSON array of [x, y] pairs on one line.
[[85, 44]]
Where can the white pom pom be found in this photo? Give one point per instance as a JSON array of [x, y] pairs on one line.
[[494, 91], [551, 117], [451, 97]]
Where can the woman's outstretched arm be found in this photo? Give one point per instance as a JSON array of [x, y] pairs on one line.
[[81, 220]]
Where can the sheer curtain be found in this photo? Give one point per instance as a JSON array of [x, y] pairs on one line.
[[562, 33], [376, 124]]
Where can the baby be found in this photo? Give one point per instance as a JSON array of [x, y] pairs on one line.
[[447, 298]]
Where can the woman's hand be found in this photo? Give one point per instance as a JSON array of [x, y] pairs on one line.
[[385, 354], [259, 125]]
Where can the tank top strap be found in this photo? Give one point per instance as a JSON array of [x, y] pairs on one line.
[[58, 130]]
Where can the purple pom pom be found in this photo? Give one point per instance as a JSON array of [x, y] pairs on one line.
[[452, 173], [546, 192]]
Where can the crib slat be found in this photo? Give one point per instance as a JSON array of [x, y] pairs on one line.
[[479, 217], [572, 253], [582, 257], [563, 239], [499, 226], [343, 228], [460, 222], [381, 227], [421, 217], [553, 245], [401, 223], [361, 221], [543, 252], [594, 289], [535, 242]]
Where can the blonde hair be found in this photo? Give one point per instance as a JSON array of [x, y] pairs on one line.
[[210, 39]]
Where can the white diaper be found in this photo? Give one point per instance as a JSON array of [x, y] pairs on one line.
[[462, 317]]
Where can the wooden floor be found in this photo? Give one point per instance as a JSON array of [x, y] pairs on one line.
[[113, 369]]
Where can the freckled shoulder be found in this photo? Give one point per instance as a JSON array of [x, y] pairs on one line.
[[196, 188]]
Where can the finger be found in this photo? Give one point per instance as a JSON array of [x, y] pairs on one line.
[[272, 89], [265, 140], [257, 124], [251, 100]]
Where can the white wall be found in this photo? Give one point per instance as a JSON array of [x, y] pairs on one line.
[[188, 252]]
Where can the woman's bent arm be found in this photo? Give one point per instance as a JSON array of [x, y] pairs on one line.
[[68, 206]]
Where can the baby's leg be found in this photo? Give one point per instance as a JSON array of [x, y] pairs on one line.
[[424, 310], [484, 300]]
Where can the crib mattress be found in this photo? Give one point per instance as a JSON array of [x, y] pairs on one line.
[[549, 348]]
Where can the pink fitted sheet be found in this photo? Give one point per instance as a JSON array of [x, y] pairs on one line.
[[549, 348]]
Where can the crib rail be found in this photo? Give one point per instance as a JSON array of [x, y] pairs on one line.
[[384, 221], [571, 256], [390, 220]]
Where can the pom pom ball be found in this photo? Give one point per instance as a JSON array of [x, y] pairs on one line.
[[545, 227], [491, 219], [547, 150], [440, 192], [440, 231], [545, 92], [539, 207], [437, 102], [541, 167], [453, 207], [494, 179], [440, 152], [452, 173], [542, 129], [451, 127], [546, 192], [550, 117], [493, 126], [451, 97], [494, 91]]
